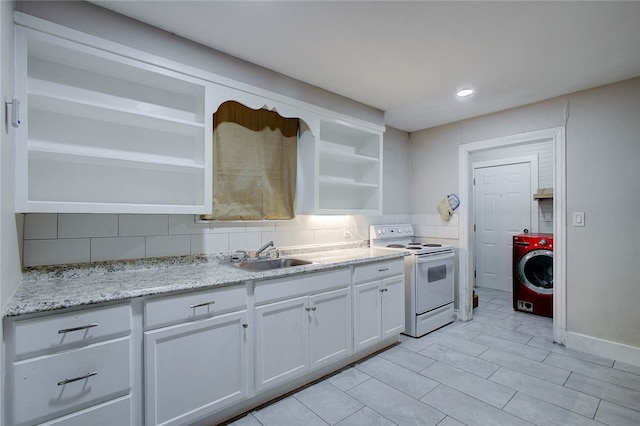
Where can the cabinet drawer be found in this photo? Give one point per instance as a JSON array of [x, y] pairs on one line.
[[184, 307], [62, 331], [282, 288], [117, 412], [54, 385], [378, 270]]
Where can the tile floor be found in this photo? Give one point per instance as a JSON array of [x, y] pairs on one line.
[[502, 368]]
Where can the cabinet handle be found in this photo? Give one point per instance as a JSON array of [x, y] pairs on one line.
[[383, 270], [200, 305], [307, 309], [382, 290], [313, 309], [82, 327], [245, 325], [75, 379]]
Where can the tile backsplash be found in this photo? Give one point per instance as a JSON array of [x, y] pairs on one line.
[[52, 239]]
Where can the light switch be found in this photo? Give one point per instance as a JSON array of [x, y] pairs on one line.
[[578, 219]]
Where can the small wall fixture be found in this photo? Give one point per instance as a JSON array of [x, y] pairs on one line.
[[14, 113], [465, 92]]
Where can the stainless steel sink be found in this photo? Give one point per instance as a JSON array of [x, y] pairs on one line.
[[269, 264]]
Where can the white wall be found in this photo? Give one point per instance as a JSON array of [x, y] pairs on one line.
[[603, 180], [603, 150], [9, 260], [396, 173]]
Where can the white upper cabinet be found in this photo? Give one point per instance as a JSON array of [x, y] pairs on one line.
[[340, 169], [110, 129], [105, 133]]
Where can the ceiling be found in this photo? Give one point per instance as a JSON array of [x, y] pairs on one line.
[[408, 59]]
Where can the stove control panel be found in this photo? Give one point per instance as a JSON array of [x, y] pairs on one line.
[[390, 231]]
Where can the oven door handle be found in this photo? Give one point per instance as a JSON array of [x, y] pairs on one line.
[[434, 257]]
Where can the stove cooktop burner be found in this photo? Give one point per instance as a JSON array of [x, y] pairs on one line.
[[414, 246]]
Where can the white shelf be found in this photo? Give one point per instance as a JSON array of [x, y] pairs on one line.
[[346, 157], [342, 182], [104, 156], [85, 97], [112, 114]]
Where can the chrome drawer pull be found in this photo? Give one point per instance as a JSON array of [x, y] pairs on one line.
[[383, 270], [82, 327], [75, 379], [200, 305]]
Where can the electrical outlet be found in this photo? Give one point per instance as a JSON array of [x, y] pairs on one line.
[[347, 232]]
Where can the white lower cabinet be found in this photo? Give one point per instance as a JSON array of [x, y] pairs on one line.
[[70, 369], [191, 357], [308, 329], [378, 302], [195, 368]]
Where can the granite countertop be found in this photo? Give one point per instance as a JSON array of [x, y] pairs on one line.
[[52, 288]]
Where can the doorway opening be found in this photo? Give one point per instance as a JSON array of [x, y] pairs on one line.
[[467, 251], [502, 207]]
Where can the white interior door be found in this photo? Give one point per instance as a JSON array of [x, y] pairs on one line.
[[502, 201]]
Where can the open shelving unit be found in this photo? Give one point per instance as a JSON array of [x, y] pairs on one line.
[[106, 133], [347, 176]]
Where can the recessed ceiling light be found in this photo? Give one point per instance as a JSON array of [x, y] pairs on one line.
[[465, 92]]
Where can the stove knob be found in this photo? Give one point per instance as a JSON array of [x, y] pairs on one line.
[[384, 231], [543, 242], [400, 231]]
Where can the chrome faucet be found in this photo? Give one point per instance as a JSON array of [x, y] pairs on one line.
[[263, 248]]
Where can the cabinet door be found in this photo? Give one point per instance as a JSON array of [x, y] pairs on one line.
[[366, 314], [193, 369], [282, 341], [330, 330], [392, 305]]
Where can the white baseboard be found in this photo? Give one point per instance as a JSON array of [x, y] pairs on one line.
[[603, 348]]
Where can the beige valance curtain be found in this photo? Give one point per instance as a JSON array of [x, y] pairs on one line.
[[254, 164]]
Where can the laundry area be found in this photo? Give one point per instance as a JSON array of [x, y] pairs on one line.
[[513, 223]]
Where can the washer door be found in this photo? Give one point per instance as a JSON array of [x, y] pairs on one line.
[[535, 271]]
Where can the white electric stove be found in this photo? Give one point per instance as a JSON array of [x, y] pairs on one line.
[[429, 277]]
